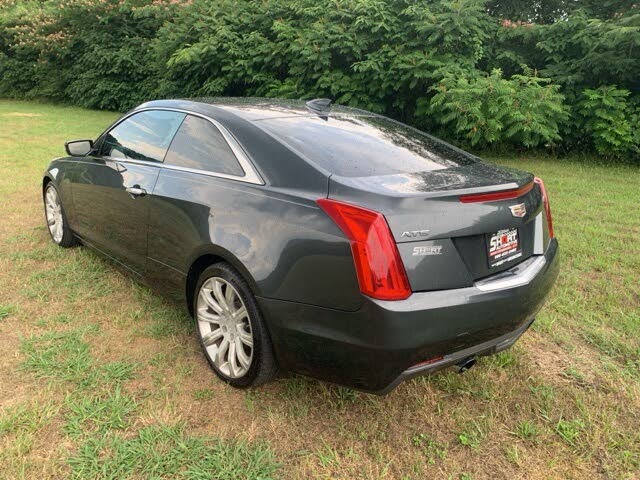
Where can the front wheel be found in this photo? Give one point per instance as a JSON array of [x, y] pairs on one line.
[[231, 330], [57, 224]]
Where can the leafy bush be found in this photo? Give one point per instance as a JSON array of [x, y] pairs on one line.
[[373, 54], [487, 109], [91, 53], [453, 65], [609, 121]]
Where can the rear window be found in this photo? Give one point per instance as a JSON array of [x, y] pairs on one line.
[[364, 146]]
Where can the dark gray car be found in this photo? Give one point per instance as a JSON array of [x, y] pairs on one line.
[[318, 239]]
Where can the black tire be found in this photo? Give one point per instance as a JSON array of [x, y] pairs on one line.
[[263, 367], [68, 238]]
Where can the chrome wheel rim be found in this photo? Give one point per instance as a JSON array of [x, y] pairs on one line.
[[53, 211], [224, 327]]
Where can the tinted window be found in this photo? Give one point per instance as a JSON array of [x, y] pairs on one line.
[[143, 136], [364, 146], [200, 145]]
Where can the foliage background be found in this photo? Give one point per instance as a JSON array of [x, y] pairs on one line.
[[555, 74]]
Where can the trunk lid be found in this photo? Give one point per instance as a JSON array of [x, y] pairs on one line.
[[443, 242]]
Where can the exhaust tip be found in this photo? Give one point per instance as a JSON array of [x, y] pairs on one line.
[[465, 364]]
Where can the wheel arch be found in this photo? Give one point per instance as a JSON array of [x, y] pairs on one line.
[[206, 257], [46, 179]]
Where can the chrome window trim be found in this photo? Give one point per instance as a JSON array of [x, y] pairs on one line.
[[134, 161], [251, 175]]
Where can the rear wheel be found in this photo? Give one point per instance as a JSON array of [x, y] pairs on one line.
[[57, 224], [231, 330]]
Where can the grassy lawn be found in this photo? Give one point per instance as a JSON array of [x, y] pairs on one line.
[[102, 378]]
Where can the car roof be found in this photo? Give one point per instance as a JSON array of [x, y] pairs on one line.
[[342, 141], [256, 108]]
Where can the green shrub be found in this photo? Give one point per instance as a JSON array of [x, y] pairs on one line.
[[609, 121], [488, 109], [453, 65]]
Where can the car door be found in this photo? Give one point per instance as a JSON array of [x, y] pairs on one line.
[[193, 197], [112, 188]]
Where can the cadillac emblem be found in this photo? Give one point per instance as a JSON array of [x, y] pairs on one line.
[[518, 210]]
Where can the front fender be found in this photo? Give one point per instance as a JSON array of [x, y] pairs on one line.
[[60, 172]]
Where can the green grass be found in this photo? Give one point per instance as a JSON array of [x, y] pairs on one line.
[[203, 394], [432, 449], [5, 311], [117, 372], [102, 378], [60, 355], [20, 429], [167, 452], [526, 430], [26, 417], [98, 414], [570, 430], [474, 433]]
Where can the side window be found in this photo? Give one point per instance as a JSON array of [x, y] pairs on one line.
[[200, 145], [143, 136]]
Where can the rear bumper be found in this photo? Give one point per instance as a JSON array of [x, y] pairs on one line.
[[379, 346], [486, 348]]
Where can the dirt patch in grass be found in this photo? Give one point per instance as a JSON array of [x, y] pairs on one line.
[[21, 114]]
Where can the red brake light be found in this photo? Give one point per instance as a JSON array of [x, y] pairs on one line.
[[378, 265], [494, 196], [545, 201]]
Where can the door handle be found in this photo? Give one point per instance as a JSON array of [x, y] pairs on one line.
[[136, 191]]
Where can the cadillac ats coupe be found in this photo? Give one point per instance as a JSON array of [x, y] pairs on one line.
[[311, 238]]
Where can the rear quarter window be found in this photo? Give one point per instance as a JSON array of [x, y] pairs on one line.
[[200, 145]]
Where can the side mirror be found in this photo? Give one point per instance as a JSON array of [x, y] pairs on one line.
[[79, 148]]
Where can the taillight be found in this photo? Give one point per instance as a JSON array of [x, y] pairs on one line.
[[495, 196], [378, 265], [545, 201]]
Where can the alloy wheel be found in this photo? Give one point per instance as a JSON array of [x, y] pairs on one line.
[[224, 327], [53, 211]]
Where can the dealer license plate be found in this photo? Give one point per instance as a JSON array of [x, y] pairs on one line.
[[503, 246]]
